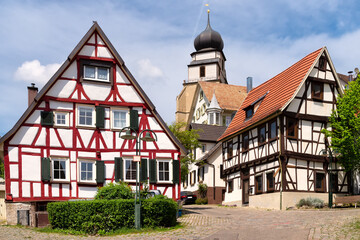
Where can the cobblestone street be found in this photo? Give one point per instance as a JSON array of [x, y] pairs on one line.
[[212, 222]]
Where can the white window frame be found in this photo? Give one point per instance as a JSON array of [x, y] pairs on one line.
[[96, 73], [170, 170], [93, 116], [93, 180], [127, 120], [67, 118], [67, 169], [125, 179]]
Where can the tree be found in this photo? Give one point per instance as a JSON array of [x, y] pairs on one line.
[[345, 124], [189, 139]]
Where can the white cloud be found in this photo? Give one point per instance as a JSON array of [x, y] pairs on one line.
[[33, 71], [147, 70]]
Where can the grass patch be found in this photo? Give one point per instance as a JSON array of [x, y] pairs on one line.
[[122, 231], [352, 229]]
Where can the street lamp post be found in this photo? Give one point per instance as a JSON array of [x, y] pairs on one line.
[[325, 152], [147, 138]]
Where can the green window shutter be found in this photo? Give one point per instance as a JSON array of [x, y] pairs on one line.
[[45, 169], [134, 119], [47, 118], [100, 117], [119, 169], [143, 170], [176, 169], [152, 166], [100, 172]]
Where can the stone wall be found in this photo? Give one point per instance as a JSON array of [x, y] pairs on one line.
[[11, 212]]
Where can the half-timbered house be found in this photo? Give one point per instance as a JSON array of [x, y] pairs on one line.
[[271, 149], [67, 142]]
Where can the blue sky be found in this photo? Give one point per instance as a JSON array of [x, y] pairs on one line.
[[155, 39]]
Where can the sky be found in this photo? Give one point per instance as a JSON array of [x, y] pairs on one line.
[[155, 39]]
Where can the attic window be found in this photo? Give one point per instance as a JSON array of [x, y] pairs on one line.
[[322, 63], [97, 71], [249, 112], [317, 90]]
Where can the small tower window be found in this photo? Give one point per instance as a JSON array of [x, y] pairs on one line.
[[322, 63], [202, 71]]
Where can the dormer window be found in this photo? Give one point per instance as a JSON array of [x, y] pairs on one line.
[[97, 71], [202, 71], [249, 112]]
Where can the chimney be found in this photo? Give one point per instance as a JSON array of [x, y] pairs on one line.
[[350, 75], [32, 92], [249, 82]]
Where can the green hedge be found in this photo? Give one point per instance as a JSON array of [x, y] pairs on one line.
[[109, 215]]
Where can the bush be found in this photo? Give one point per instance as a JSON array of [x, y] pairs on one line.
[[311, 202], [107, 216], [202, 190], [115, 191], [201, 201]]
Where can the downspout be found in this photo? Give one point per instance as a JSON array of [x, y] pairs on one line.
[[212, 165]]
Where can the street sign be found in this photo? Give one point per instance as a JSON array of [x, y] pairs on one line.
[[137, 158]]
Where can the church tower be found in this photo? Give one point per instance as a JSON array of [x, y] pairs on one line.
[[207, 65]]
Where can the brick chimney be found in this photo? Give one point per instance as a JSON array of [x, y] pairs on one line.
[[32, 92]]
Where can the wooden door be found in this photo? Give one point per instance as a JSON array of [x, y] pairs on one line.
[[245, 191]]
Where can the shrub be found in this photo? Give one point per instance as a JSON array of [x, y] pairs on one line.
[[202, 190], [311, 202], [201, 201], [107, 216], [115, 191]]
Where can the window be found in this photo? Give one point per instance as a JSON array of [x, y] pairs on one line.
[[230, 149], [202, 71], [61, 119], [322, 63], [201, 95], [262, 135], [258, 184], [197, 114], [203, 109], [228, 120], [192, 178], [211, 118], [217, 120], [320, 182], [96, 73], [86, 116], [317, 89], [270, 182], [86, 171], [59, 169], [292, 129], [249, 112], [119, 118], [245, 141], [201, 174], [203, 148], [164, 171], [230, 186], [130, 170], [272, 130]]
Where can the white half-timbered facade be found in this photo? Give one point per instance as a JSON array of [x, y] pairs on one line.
[[67, 143], [271, 150]]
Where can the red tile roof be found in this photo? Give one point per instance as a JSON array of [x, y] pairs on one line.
[[280, 89], [228, 96]]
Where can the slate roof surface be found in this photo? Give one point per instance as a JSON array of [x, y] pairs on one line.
[[208, 133], [278, 91], [228, 96]]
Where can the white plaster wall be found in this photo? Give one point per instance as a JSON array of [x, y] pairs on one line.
[[71, 71], [55, 190], [109, 170], [14, 171], [104, 52], [87, 154], [73, 189], [66, 137], [108, 138], [24, 136], [65, 190], [154, 125], [61, 153], [56, 105], [37, 189], [330, 76], [301, 91], [202, 117], [294, 105], [86, 135], [306, 130], [97, 91], [73, 171], [302, 179], [164, 142], [31, 168], [193, 73], [54, 141], [87, 192], [129, 94], [62, 89], [30, 150], [34, 118], [25, 189], [234, 196], [207, 55], [328, 95], [46, 190], [14, 189], [88, 51], [13, 154], [92, 39], [319, 108], [120, 76], [210, 71]]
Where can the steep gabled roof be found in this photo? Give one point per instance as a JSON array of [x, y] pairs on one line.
[[277, 93], [228, 96], [95, 28]]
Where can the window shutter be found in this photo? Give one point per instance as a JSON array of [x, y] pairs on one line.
[[45, 169], [221, 171], [100, 117], [152, 165], [176, 169], [47, 118], [119, 169], [143, 170], [100, 172], [134, 119]]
